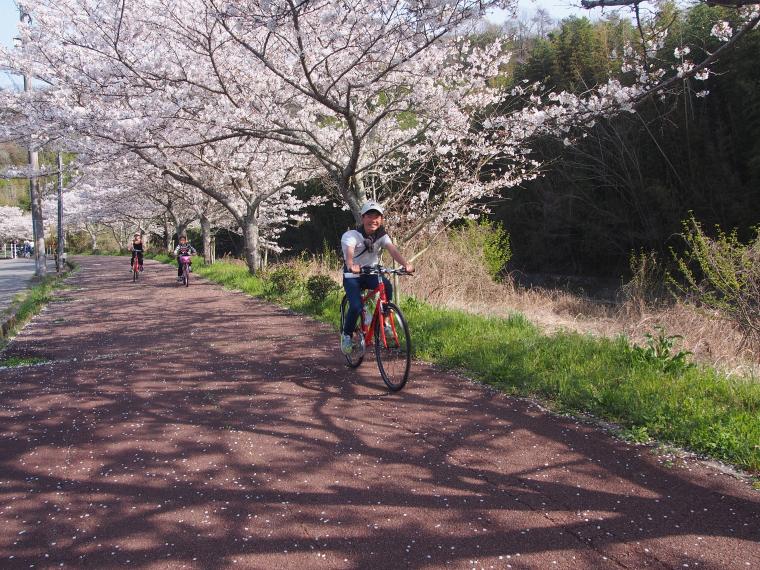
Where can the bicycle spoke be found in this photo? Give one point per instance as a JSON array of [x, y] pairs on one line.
[[393, 349]]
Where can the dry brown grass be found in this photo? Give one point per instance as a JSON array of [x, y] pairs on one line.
[[712, 339], [451, 275]]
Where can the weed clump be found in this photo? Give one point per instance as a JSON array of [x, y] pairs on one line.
[[660, 351], [319, 287], [487, 241], [283, 280]]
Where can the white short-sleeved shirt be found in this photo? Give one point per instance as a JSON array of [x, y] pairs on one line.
[[361, 256]]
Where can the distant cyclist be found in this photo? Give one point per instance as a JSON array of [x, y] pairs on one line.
[[362, 247], [137, 248], [183, 248]]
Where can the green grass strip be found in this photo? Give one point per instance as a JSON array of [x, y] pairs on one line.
[[694, 407], [30, 302], [15, 361]]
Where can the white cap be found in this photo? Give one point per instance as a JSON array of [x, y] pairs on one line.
[[372, 205]]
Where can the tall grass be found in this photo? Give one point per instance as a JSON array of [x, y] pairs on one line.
[[695, 407]]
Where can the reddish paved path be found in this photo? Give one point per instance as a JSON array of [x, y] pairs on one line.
[[202, 429]]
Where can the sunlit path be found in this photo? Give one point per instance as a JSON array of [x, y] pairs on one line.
[[199, 428]]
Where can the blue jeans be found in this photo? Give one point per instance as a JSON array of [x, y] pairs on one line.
[[353, 287]]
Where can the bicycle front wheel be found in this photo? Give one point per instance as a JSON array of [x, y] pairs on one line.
[[393, 348], [186, 275], [355, 357]]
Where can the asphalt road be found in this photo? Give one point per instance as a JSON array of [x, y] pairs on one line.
[[15, 275], [199, 428]]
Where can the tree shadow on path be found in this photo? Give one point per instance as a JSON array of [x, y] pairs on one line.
[[243, 440]]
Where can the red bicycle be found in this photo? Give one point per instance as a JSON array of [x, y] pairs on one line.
[[135, 268], [385, 324]]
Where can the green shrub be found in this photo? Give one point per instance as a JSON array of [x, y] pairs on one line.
[[496, 249], [283, 280], [722, 274], [489, 241], [319, 287]]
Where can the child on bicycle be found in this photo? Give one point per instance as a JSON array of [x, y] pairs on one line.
[[362, 247], [183, 248], [137, 249]]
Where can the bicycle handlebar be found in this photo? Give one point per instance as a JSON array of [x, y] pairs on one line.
[[378, 269]]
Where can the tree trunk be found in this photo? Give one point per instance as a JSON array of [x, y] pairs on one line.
[[206, 237], [167, 236], [353, 196], [251, 243], [120, 236], [93, 233], [40, 258], [181, 228]]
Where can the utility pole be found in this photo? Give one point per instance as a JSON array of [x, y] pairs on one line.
[[59, 252], [35, 197]]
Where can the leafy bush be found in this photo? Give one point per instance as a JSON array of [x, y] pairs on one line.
[[319, 287], [490, 241], [283, 280], [496, 249], [722, 274]]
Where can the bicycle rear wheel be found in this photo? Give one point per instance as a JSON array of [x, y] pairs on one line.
[[355, 357], [393, 348]]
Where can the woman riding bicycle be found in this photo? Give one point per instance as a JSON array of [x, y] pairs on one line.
[[362, 247], [137, 249]]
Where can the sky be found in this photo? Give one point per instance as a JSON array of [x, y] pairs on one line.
[[557, 9], [8, 19]]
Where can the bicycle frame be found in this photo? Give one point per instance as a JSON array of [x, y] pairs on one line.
[[368, 330], [184, 263], [135, 267]]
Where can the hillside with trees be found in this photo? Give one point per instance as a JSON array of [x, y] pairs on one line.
[[630, 181], [13, 192]]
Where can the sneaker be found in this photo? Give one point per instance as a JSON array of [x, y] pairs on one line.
[[191, 269], [179, 279], [141, 268], [346, 344]]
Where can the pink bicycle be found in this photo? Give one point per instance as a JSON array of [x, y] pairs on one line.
[[184, 263]]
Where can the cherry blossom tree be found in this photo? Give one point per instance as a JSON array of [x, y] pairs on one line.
[[654, 21], [243, 100], [14, 224], [253, 180]]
